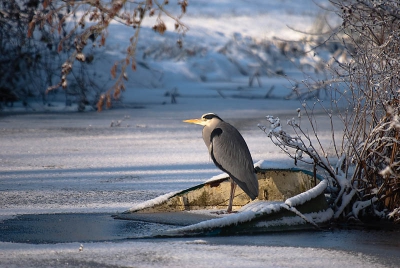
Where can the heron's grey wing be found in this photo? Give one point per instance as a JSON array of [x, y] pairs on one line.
[[230, 153]]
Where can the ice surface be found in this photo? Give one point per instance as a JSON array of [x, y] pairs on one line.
[[184, 253]]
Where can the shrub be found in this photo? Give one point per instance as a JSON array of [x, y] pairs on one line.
[[366, 175]]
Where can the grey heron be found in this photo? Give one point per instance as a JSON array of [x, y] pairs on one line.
[[230, 153]]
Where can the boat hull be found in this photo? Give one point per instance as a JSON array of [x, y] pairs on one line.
[[289, 199]]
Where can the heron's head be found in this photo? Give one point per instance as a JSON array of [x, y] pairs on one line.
[[204, 120]]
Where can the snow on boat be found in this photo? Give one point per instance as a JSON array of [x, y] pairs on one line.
[[289, 199]]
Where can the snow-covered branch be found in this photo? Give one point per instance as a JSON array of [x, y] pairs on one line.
[[301, 144]]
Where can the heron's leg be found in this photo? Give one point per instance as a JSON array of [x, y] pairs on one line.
[[233, 187]]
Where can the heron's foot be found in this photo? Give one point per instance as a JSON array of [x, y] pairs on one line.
[[230, 212]]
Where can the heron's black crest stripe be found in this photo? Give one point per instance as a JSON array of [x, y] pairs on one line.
[[211, 116]]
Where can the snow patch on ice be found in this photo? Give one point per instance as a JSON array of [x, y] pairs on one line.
[[7, 217]]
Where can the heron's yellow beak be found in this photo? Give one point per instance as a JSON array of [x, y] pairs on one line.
[[196, 121]]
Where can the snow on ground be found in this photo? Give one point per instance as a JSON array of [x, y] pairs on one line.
[[225, 44], [108, 162]]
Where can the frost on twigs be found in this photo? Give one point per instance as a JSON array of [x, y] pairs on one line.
[[369, 181], [365, 100], [370, 32], [297, 145], [300, 146]]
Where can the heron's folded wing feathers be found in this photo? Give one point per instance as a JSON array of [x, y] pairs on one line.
[[230, 153]]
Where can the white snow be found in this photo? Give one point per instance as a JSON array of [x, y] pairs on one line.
[[359, 205], [308, 195], [394, 212], [268, 164], [218, 177]]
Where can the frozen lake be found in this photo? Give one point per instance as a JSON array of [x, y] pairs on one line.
[[77, 163]]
